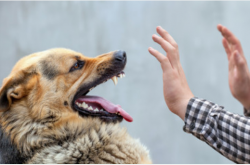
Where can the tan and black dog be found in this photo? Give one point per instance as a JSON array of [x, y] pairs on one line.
[[46, 117]]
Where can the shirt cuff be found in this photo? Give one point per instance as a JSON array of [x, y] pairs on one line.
[[246, 112], [196, 116]]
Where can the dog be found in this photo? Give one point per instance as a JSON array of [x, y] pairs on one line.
[[46, 115]]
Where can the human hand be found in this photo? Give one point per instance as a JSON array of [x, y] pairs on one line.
[[175, 87], [239, 77]]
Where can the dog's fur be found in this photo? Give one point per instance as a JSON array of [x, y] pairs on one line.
[[39, 125]]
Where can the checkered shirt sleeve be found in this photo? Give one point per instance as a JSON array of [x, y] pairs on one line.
[[227, 133], [247, 112]]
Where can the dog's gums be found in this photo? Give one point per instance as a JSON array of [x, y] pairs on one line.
[[99, 107]]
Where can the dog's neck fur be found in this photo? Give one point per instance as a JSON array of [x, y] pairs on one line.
[[86, 140], [9, 153], [101, 143]]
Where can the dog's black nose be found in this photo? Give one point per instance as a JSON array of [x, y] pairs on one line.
[[120, 55]]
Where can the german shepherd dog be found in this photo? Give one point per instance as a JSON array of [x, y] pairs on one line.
[[46, 115]]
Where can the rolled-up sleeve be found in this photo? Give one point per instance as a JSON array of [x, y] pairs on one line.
[[227, 133]]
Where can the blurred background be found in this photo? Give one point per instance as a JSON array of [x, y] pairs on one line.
[[94, 28]]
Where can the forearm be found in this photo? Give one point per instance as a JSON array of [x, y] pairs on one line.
[[227, 133]]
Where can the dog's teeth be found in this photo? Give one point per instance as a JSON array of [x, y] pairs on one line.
[[123, 75], [78, 104], [101, 110], [114, 79], [96, 110], [82, 105], [85, 105], [90, 108]]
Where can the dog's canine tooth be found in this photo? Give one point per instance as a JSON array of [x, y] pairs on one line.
[[114, 79], [96, 110], [123, 75], [90, 108]]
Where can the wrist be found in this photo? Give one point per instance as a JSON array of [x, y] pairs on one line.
[[246, 105], [183, 109], [245, 101], [180, 107]]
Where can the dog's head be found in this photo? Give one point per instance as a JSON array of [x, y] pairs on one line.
[[55, 83]]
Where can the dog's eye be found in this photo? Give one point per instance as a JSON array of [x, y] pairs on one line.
[[78, 65]]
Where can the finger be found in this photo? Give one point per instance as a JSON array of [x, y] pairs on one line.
[[219, 27], [172, 55], [164, 44], [227, 48], [230, 36], [160, 57], [232, 40], [164, 34]]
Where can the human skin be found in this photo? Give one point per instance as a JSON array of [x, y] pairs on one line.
[[238, 72], [175, 87]]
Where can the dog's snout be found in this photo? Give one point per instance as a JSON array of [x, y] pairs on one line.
[[120, 55]]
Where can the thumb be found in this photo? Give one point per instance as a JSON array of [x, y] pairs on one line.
[[239, 61]]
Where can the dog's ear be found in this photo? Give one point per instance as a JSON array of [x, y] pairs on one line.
[[14, 89], [5, 99]]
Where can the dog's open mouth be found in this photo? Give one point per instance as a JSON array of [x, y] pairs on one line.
[[98, 106]]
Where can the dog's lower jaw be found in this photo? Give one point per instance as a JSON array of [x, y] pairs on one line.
[[103, 143]]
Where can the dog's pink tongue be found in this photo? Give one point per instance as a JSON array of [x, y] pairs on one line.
[[107, 105]]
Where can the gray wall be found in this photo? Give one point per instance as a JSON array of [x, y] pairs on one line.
[[94, 28]]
